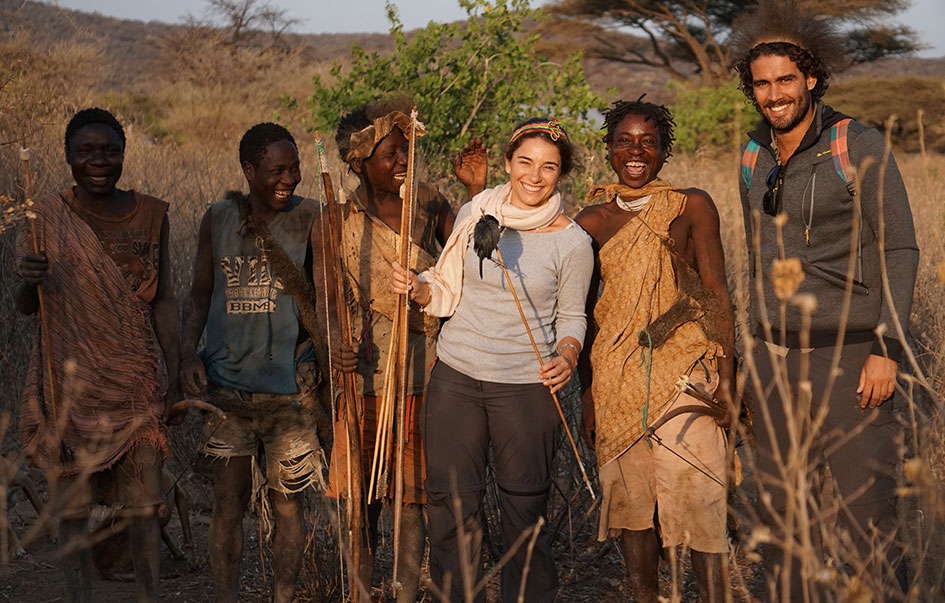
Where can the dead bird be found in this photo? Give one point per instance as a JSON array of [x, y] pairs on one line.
[[486, 237]]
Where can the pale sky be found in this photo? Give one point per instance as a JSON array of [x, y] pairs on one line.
[[340, 16]]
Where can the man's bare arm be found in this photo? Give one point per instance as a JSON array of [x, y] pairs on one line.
[[589, 219], [166, 320], [706, 240], [471, 167], [193, 376]]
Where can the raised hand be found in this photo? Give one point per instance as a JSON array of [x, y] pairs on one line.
[[470, 166]]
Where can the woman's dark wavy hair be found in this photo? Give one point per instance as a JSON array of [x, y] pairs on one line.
[[783, 28], [563, 143]]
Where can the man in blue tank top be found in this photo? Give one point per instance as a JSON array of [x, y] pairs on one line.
[[257, 363]]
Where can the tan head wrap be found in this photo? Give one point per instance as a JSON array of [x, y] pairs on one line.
[[363, 142]]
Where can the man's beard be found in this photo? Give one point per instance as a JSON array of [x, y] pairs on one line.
[[788, 122]]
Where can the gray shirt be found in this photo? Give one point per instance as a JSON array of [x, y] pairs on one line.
[[551, 271]]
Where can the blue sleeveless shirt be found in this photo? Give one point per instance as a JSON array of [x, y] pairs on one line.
[[253, 323]]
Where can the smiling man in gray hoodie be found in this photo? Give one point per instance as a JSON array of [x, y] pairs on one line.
[[833, 208]]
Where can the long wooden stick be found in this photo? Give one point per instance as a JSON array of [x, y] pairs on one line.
[[379, 463], [351, 396], [44, 324], [564, 422], [406, 223]]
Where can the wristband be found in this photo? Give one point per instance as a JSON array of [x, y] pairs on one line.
[[569, 345]]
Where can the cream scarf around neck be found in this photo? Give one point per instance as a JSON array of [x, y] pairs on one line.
[[446, 278]]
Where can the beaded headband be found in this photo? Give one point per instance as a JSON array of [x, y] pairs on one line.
[[551, 127]]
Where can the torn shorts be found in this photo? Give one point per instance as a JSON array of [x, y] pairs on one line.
[[692, 507], [279, 431]]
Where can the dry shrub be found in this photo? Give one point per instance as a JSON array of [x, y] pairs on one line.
[[210, 91], [871, 100], [39, 89]]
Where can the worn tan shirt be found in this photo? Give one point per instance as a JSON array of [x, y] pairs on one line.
[[370, 246], [132, 241]]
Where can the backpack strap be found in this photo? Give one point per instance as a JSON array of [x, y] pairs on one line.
[[749, 157], [840, 153]]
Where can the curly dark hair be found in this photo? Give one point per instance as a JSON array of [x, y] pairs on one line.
[[352, 122], [257, 139], [786, 28], [658, 114], [563, 143], [807, 63], [93, 115]]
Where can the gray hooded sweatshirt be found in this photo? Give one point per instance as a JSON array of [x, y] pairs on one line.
[[816, 199]]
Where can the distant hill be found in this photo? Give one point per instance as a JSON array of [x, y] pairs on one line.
[[131, 47], [131, 50]]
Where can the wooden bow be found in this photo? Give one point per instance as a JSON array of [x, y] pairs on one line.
[[351, 397], [408, 195]]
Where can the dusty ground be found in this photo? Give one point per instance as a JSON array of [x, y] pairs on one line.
[[589, 571], [592, 572]]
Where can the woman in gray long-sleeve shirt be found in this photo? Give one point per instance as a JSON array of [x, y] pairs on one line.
[[487, 388]]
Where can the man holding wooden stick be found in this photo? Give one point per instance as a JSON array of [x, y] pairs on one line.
[[373, 142], [95, 264]]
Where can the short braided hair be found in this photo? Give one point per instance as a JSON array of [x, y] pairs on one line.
[[93, 115], [658, 114], [257, 139]]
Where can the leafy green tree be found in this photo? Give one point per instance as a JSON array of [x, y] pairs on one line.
[[711, 117], [475, 78], [689, 39]]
